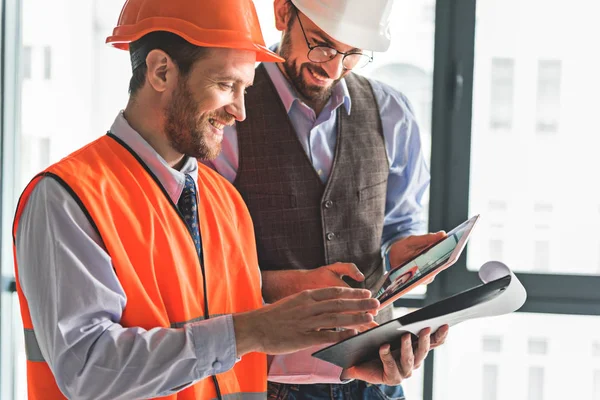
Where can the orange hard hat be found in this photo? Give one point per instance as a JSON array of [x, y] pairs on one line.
[[207, 23]]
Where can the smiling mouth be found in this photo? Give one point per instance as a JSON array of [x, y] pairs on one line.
[[216, 124], [318, 77]]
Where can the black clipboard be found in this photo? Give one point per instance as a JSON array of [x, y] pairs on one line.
[[365, 346]]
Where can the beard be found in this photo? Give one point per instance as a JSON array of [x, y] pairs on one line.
[[188, 133], [313, 93]]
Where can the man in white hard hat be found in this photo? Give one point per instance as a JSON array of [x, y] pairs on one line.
[[330, 165]]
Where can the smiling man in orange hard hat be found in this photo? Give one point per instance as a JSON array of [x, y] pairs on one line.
[[136, 267], [331, 167]]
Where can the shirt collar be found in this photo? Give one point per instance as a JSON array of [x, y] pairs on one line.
[[172, 180], [339, 95]]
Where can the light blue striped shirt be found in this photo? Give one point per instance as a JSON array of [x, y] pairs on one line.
[[408, 176]]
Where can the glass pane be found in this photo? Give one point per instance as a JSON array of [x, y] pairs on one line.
[[72, 89], [520, 357], [535, 136]]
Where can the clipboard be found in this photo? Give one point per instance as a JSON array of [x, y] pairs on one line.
[[500, 293]]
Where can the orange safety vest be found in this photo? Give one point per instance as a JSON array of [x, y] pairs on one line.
[[155, 260]]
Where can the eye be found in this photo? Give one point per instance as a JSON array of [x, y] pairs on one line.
[[226, 86]]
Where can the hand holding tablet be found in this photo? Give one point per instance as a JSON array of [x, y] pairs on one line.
[[400, 279]]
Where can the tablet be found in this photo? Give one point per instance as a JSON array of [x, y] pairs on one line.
[[400, 279]]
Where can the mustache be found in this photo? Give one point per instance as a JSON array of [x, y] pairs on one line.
[[224, 118]]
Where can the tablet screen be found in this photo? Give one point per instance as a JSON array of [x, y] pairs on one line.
[[405, 275]]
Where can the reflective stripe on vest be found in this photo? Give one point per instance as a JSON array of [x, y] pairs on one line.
[[245, 396], [32, 348]]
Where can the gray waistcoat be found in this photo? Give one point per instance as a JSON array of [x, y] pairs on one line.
[[301, 223]]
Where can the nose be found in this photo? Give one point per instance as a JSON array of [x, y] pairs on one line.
[[237, 108], [334, 67]]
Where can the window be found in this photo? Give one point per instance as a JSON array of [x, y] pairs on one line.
[[502, 93], [495, 219], [541, 255], [35, 156], [536, 383], [521, 80], [543, 208], [496, 249], [537, 346], [47, 62], [596, 386], [492, 344], [522, 352], [93, 88], [548, 96], [490, 382], [531, 83], [26, 62], [596, 349], [497, 206], [521, 169]]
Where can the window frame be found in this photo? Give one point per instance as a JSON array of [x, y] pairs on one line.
[[450, 171], [450, 179], [10, 81]]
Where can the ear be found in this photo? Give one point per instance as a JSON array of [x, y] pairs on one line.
[[283, 13], [162, 71]]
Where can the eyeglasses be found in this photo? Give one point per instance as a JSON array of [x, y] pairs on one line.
[[323, 53]]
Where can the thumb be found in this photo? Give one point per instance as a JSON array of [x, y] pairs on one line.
[[347, 269]]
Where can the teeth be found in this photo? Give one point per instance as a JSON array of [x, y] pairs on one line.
[[319, 77], [216, 124]]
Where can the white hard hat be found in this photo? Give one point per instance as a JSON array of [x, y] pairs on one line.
[[364, 24]]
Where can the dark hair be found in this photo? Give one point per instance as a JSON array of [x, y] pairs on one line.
[[183, 53]]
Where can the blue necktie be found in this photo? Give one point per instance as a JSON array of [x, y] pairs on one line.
[[188, 207]]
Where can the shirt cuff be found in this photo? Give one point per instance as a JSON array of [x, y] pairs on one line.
[[388, 243], [214, 342], [302, 368]]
